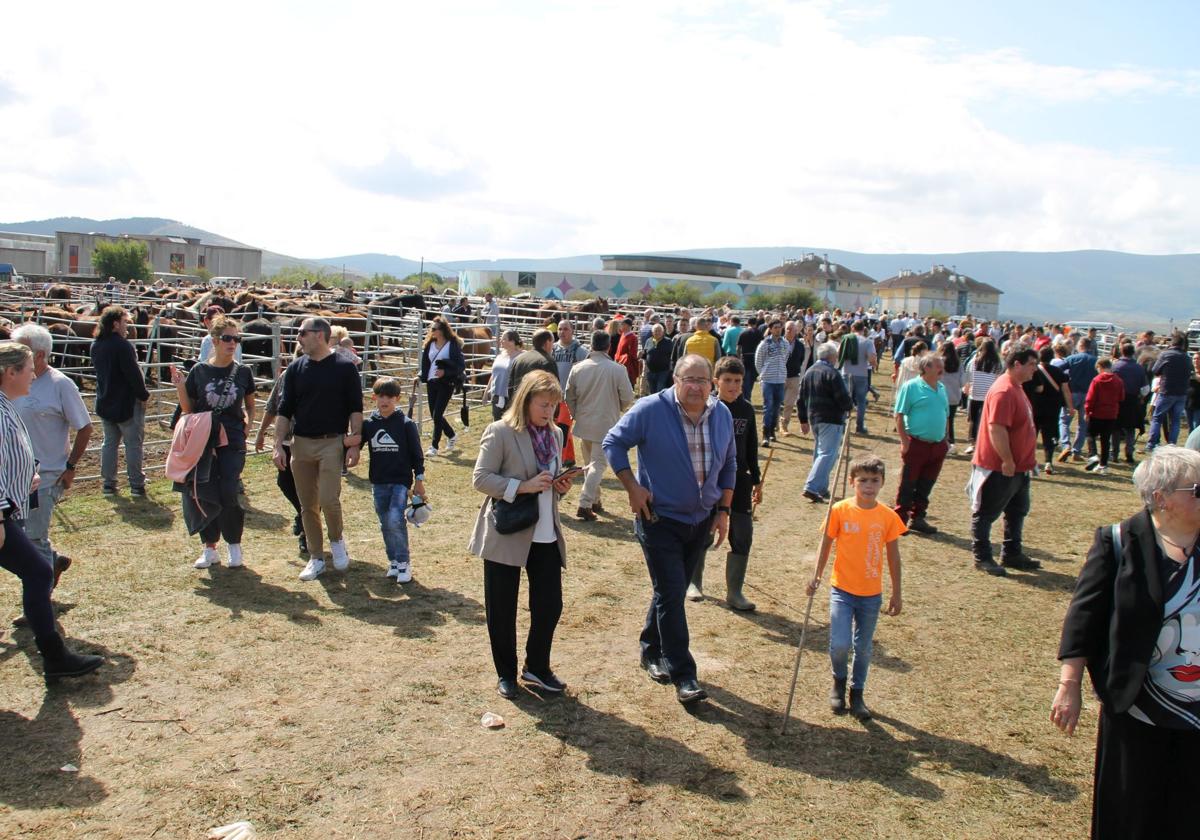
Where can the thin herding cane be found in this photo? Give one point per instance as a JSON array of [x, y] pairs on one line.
[[841, 476], [762, 479]]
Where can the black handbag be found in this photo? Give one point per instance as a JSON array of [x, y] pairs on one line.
[[514, 516]]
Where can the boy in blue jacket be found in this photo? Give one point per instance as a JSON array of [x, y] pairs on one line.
[[394, 443]]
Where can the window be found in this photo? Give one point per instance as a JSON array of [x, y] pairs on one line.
[[201, 261], [178, 264], [526, 280]]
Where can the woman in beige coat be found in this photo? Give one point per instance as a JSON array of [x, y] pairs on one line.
[[521, 453]]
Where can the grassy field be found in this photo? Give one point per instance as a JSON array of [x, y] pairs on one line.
[[350, 707]]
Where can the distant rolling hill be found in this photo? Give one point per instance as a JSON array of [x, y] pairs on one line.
[[1133, 290]]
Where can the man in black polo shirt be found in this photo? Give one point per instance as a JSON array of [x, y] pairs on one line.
[[322, 396]]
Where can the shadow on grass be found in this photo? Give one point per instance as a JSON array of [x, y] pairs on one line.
[[36, 748], [786, 631], [616, 747], [244, 591], [266, 520], [413, 609], [146, 513], [885, 751]]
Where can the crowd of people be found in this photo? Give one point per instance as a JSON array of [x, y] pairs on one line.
[[678, 388]]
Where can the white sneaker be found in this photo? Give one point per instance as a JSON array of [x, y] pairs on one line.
[[341, 558], [393, 570], [403, 573], [950, 450], [235, 556], [1100, 471], [207, 558], [431, 452], [968, 450], [450, 444], [314, 568]]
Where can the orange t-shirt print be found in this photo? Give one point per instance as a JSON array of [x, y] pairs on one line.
[[860, 545]]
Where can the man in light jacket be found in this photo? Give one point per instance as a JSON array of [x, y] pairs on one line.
[[598, 390]]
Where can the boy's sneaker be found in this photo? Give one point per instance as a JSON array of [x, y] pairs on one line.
[[1064, 456], [1049, 468], [314, 568], [207, 558], [451, 443], [1092, 463], [968, 450], [139, 492], [235, 556], [341, 558], [431, 452], [403, 573], [951, 449], [110, 490], [1100, 470], [393, 569]]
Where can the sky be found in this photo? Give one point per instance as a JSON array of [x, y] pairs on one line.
[[472, 129]]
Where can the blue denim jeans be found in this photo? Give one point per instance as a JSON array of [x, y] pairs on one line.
[[390, 503], [828, 442], [852, 620], [857, 386], [1168, 412], [659, 381], [1064, 426], [772, 405]]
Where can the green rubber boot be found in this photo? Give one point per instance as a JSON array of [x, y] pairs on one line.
[[735, 578]]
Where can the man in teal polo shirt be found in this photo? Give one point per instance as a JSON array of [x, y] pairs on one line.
[[921, 412]]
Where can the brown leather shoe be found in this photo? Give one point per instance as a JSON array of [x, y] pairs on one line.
[[61, 564], [585, 513]]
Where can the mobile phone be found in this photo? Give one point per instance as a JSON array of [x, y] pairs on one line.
[[568, 471]]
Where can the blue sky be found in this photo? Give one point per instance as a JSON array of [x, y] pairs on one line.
[[472, 129]]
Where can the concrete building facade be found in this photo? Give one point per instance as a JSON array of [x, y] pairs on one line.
[[168, 254], [838, 286], [28, 253], [942, 289]]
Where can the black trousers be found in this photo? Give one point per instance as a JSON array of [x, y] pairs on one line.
[[227, 473], [37, 579], [1001, 495], [974, 412], [1102, 429], [950, 423], [1145, 777], [286, 482], [741, 532], [439, 394], [1048, 428], [501, 585]]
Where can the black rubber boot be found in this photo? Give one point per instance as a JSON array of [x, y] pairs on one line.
[[695, 590], [735, 577], [857, 707], [58, 662], [837, 697]]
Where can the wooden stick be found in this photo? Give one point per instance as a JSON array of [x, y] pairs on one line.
[[762, 480]]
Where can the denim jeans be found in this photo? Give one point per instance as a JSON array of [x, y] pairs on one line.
[[772, 404], [658, 381], [828, 441], [1168, 412], [37, 523], [672, 550], [857, 386], [1064, 426], [390, 503], [852, 620], [133, 432]]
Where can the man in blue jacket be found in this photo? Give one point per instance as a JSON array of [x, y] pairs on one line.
[[687, 469], [1080, 366]]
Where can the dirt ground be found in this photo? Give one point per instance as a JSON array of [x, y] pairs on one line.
[[350, 706]]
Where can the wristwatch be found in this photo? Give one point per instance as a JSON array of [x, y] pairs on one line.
[[724, 509], [70, 467]]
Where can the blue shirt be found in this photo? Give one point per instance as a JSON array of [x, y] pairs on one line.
[[1081, 368], [665, 461]]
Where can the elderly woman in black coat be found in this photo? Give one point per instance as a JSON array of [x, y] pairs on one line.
[[1134, 623]]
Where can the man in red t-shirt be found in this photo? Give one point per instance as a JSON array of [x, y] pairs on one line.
[[1005, 455]]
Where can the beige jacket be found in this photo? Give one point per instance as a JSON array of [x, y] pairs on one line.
[[598, 391], [505, 460]]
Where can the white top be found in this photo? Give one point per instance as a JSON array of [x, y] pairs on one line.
[[543, 532]]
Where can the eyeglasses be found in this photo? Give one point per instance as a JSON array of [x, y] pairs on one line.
[[234, 339], [695, 381], [302, 331], [1194, 490]]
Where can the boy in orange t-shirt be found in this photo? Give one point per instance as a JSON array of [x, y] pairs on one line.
[[865, 532]]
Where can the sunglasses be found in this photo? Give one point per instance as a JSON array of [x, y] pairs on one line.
[[1194, 490], [231, 339]]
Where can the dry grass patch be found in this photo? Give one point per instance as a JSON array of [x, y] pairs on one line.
[[349, 707]]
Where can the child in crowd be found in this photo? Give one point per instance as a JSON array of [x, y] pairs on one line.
[[747, 491], [864, 531], [394, 444], [1101, 407]]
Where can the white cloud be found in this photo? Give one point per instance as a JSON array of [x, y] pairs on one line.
[[491, 129]]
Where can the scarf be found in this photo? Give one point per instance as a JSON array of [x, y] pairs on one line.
[[544, 447]]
